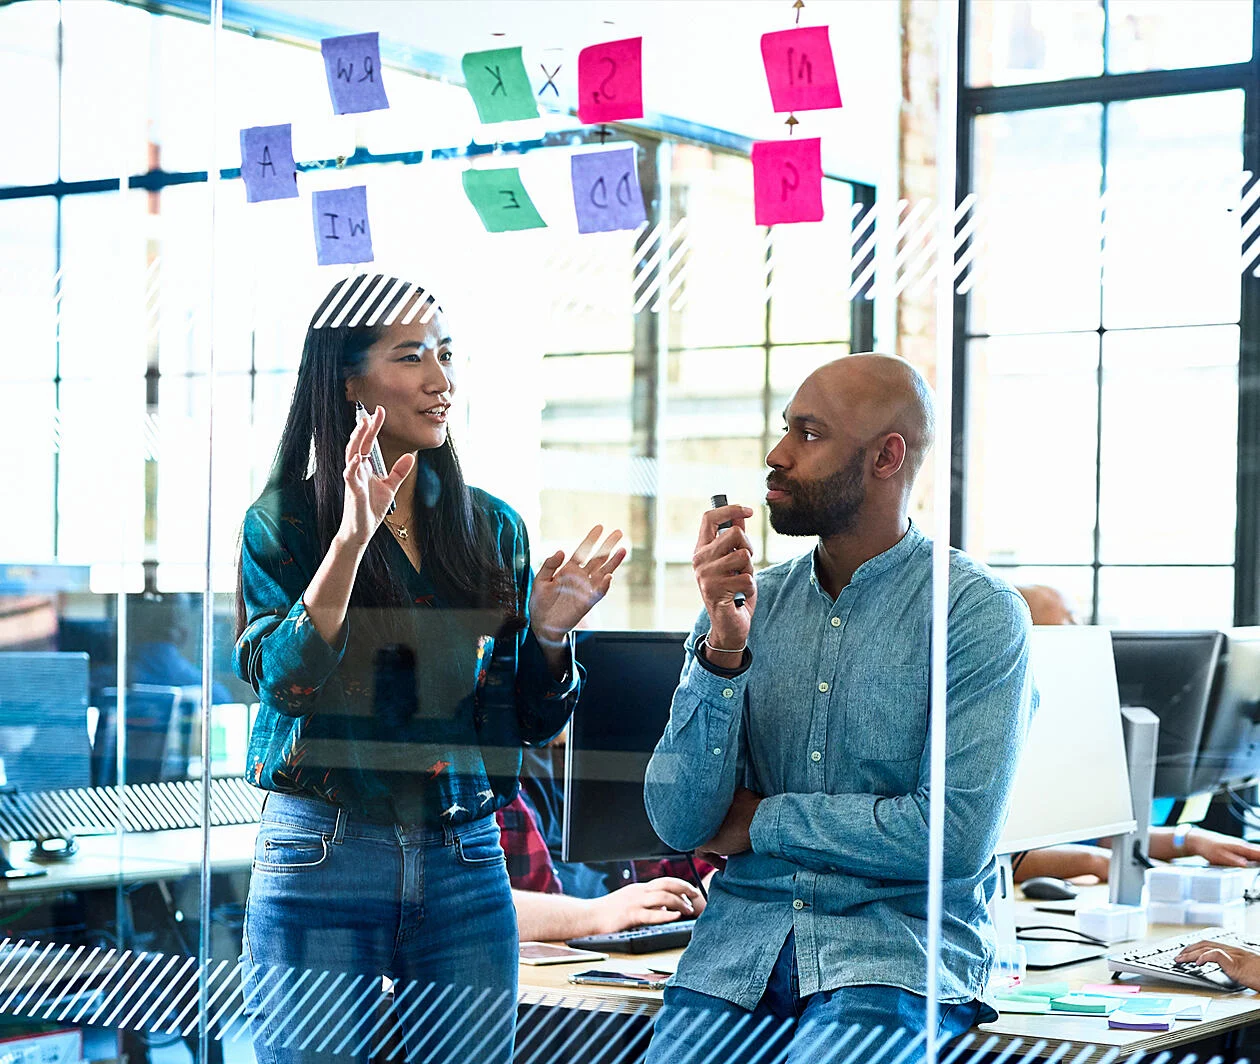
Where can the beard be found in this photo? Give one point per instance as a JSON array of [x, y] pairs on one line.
[[826, 507]]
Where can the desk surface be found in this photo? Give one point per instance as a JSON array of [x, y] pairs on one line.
[[548, 984]]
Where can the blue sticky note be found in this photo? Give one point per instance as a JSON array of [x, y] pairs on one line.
[[267, 166], [606, 191], [353, 67], [342, 233]]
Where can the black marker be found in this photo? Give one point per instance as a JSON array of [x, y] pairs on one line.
[[375, 459], [716, 502]]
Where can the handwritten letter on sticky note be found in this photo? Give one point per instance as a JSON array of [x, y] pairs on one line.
[[267, 165], [800, 69], [342, 233], [501, 200], [787, 180], [499, 86], [353, 68], [606, 191], [610, 81]]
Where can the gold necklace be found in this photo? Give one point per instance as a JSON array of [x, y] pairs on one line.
[[399, 530]]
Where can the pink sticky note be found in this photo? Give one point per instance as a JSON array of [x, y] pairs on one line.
[[610, 81], [787, 180], [800, 69]]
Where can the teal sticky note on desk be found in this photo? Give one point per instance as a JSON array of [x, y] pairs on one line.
[[1041, 990], [499, 86], [1027, 1006], [1148, 1006], [501, 200]]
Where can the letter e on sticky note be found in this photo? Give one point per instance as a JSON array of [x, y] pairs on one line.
[[610, 81], [787, 180], [342, 234], [267, 166], [800, 69]]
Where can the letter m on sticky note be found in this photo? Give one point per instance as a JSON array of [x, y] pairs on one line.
[[787, 180], [501, 200]]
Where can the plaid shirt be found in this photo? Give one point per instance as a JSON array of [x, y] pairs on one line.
[[528, 860]]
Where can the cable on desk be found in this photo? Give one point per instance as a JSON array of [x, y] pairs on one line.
[[1076, 935]]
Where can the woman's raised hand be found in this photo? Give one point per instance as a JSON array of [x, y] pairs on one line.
[[368, 496], [564, 591]]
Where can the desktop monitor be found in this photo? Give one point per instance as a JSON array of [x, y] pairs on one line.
[[43, 721], [1229, 750], [1072, 783], [622, 713], [1174, 675]]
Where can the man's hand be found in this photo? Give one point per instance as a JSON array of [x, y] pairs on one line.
[[733, 836], [659, 902], [1241, 965], [1222, 850], [722, 564]]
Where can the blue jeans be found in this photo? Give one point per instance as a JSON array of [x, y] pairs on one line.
[[827, 1027], [337, 904]]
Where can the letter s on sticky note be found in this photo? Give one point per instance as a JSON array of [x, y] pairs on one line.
[[610, 81], [787, 180]]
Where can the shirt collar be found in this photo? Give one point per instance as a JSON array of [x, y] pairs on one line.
[[894, 555]]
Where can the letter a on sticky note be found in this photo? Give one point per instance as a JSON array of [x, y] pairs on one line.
[[499, 86], [501, 200], [787, 180], [610, 81], [267, 166], [353, 67], [800, 69], [606, 191], [342, 233]]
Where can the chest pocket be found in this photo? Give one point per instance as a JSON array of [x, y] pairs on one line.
[[886, 712]]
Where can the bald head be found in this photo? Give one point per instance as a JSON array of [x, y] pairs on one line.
[[877, 395]]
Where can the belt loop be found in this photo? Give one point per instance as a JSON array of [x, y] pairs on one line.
[[339, 831], [448, 835]]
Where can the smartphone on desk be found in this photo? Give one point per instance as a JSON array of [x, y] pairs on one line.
[[595, 977], [546, 953]]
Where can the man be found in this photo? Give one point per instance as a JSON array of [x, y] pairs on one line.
[[798, 742]]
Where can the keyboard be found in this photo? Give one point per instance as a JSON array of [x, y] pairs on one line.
[[650, 939], [1158, 960]]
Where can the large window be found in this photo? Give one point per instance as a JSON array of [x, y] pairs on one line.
[[1100, 351]]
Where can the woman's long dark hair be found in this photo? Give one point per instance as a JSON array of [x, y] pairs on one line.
[[454, 537]]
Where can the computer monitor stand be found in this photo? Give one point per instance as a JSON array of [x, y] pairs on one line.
[[1130, 854]]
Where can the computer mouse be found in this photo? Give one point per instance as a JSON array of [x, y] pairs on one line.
[[1047, 888]]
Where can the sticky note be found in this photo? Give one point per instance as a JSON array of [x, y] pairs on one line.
[[1148, 1006], [499, 86], [610, 81], [1087, 1004], [342, 233], [606, 191], [267, 166], [353, 67], [1128, 1021], [1112, 989], [501, 200], [787, 180], [1026, 1006], [800, 69]]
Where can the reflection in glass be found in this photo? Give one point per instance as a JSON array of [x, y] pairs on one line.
[[1152, 35], [1011, 42]]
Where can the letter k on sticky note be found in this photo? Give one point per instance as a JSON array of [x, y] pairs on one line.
[[787, 180], [499, 86]]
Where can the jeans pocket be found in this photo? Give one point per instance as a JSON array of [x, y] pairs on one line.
[[480, 848], [289, 850]]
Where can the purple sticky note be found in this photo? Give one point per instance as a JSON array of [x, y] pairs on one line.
[[800, 69], [341, 225], [267, 166], [606, 191], [353, 68], [787, 180]]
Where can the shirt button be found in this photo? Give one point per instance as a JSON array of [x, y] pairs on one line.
[[798, 905], [824, 687], [717, 749], [815, 756], [728, 693], [835, 622]]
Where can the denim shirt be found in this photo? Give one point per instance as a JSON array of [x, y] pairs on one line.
[[830, 724], [417, 715]]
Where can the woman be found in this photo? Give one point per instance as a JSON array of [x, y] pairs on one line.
[[399, 670]]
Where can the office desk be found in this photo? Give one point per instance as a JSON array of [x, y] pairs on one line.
[[548, 984], [1228, 1012]]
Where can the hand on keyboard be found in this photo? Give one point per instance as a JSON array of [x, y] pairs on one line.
[[1234, 961], [1214, 959], [1210, 972]]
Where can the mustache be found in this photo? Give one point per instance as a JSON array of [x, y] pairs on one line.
[[778, 483]]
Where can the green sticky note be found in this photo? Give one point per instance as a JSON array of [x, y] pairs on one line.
[[1088, 1004], [1041, 990], [499, 85], [501, 200], [1031, 1006]]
